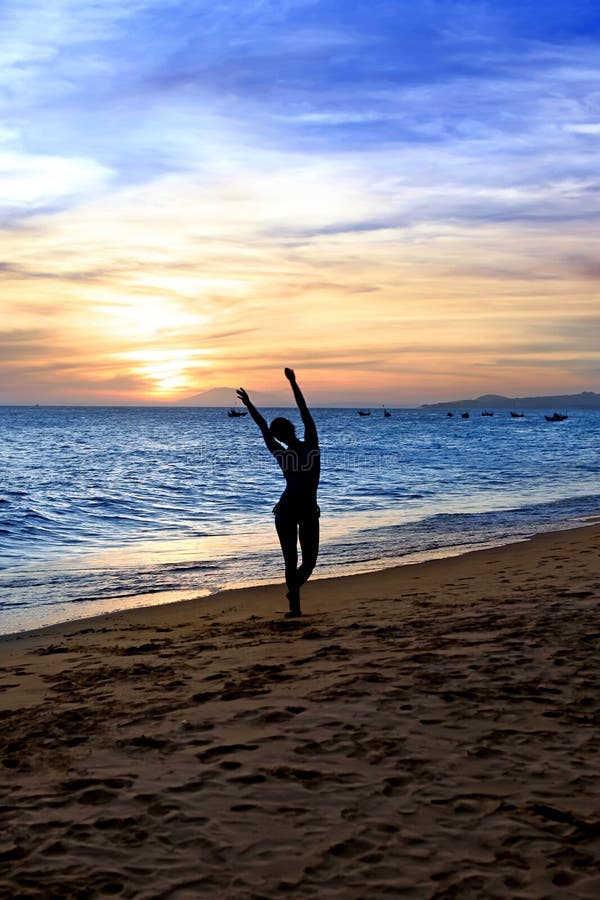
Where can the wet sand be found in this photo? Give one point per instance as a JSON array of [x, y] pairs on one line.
[[429, 731]]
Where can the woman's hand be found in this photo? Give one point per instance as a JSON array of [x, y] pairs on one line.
[[243, 396], [290, 375]]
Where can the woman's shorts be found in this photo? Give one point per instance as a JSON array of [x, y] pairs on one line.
[[296, 513]]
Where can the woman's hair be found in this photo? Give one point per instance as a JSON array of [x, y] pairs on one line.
[[282, 430]]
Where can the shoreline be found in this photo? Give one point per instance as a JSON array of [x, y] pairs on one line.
[[209, 598], [429, 731], [269, 598]]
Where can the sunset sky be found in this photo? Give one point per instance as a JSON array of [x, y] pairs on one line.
[[399, 199]]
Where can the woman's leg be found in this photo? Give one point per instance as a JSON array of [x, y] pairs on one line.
[[309, 544], [287, 532]]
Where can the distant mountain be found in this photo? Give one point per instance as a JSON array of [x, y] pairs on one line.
[[226, 396], [585, 400]]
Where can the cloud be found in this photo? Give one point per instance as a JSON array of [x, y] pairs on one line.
[[20, 344], [581, 265], [9, 271], [32, 184], [374, 88], [588, 128], [404, 182], [578, 330]]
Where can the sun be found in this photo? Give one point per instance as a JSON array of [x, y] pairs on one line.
[[167, 372]]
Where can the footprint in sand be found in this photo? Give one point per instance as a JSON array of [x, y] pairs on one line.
[[350, 848], [52, 649], [254, 778], [215, 752], [95, 791], [150, 647], [281, 715], [145, 741]]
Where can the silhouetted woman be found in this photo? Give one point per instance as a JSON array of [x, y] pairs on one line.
[[296, 513]]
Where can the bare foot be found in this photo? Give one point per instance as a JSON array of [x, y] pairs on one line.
[[293, 597]]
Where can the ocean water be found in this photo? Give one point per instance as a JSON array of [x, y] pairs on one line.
[[105, 508]]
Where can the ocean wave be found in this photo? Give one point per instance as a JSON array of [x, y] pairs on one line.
[[137, 486]]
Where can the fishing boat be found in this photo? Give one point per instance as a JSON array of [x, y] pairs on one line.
[[237, 413], [364, 412], [486, 413], [465, 415], [556, 417], [517, 415]]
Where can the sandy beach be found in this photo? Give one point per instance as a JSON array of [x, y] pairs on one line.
[[428, 731]]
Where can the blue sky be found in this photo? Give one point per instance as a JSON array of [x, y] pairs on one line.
[[147, 87], [413, 154]]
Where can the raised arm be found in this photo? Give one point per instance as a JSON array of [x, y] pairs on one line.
[[310, 429], [270, 441]]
